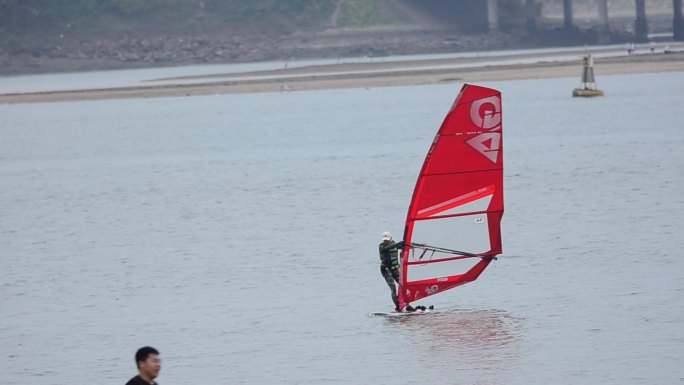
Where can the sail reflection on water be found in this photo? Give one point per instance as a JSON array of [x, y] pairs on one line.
[[466, 336]]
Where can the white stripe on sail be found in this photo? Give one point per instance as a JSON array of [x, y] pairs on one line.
[[453, 200]]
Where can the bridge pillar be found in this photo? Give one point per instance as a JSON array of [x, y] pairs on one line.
[[567, 14], [493, 15], [531, 12], [678, 21], [604, 28], [640, 24]]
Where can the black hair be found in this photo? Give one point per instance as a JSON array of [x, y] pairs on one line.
[[142, 354]]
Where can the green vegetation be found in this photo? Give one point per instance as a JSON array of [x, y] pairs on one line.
[[289, 14], [358, 13], [30, 16], [113, 16]]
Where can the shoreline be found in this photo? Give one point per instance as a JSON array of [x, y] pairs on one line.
[[366, 75]]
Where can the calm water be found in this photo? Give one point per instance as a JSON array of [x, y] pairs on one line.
[[238, 233]]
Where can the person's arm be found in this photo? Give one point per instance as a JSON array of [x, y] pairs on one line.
[[399, 245]]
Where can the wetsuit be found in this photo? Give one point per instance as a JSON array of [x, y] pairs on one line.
[[389, 267], [137, 380]]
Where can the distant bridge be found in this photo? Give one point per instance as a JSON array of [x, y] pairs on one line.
[[472, 14], [640, 24]]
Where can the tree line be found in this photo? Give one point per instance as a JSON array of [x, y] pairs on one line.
[[25, 15]]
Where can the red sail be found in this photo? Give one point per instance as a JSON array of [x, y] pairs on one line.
[[457, 203]]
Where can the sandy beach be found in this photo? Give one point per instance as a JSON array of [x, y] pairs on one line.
[[510, 66]]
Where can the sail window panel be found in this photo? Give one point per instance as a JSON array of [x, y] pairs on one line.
[[469, 233], [419, 255]]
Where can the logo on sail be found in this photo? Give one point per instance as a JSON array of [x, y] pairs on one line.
[[431, 290], [486, 114]]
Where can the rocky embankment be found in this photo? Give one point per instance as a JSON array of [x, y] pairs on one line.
[[66, 53], [77, 53]]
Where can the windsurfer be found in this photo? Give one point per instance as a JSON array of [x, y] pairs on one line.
[[389, 266]]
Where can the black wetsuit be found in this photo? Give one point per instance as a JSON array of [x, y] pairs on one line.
[[389, 267], [137, 380]]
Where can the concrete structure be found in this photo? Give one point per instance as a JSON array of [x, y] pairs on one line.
[[567, 14], [604, 28], [640, 24], [677, 21], [492, 15], [531, 15], [481, 16]]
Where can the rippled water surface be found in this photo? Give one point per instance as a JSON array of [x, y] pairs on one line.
[[238, 234]]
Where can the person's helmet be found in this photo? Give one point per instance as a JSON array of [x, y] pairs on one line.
[[386, 236]]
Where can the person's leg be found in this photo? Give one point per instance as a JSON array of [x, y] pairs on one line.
[[389, 278], [395, 275]]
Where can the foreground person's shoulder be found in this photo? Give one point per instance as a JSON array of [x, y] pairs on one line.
[[137, 380]]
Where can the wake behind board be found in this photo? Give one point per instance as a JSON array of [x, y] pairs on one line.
[[400, 314]]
